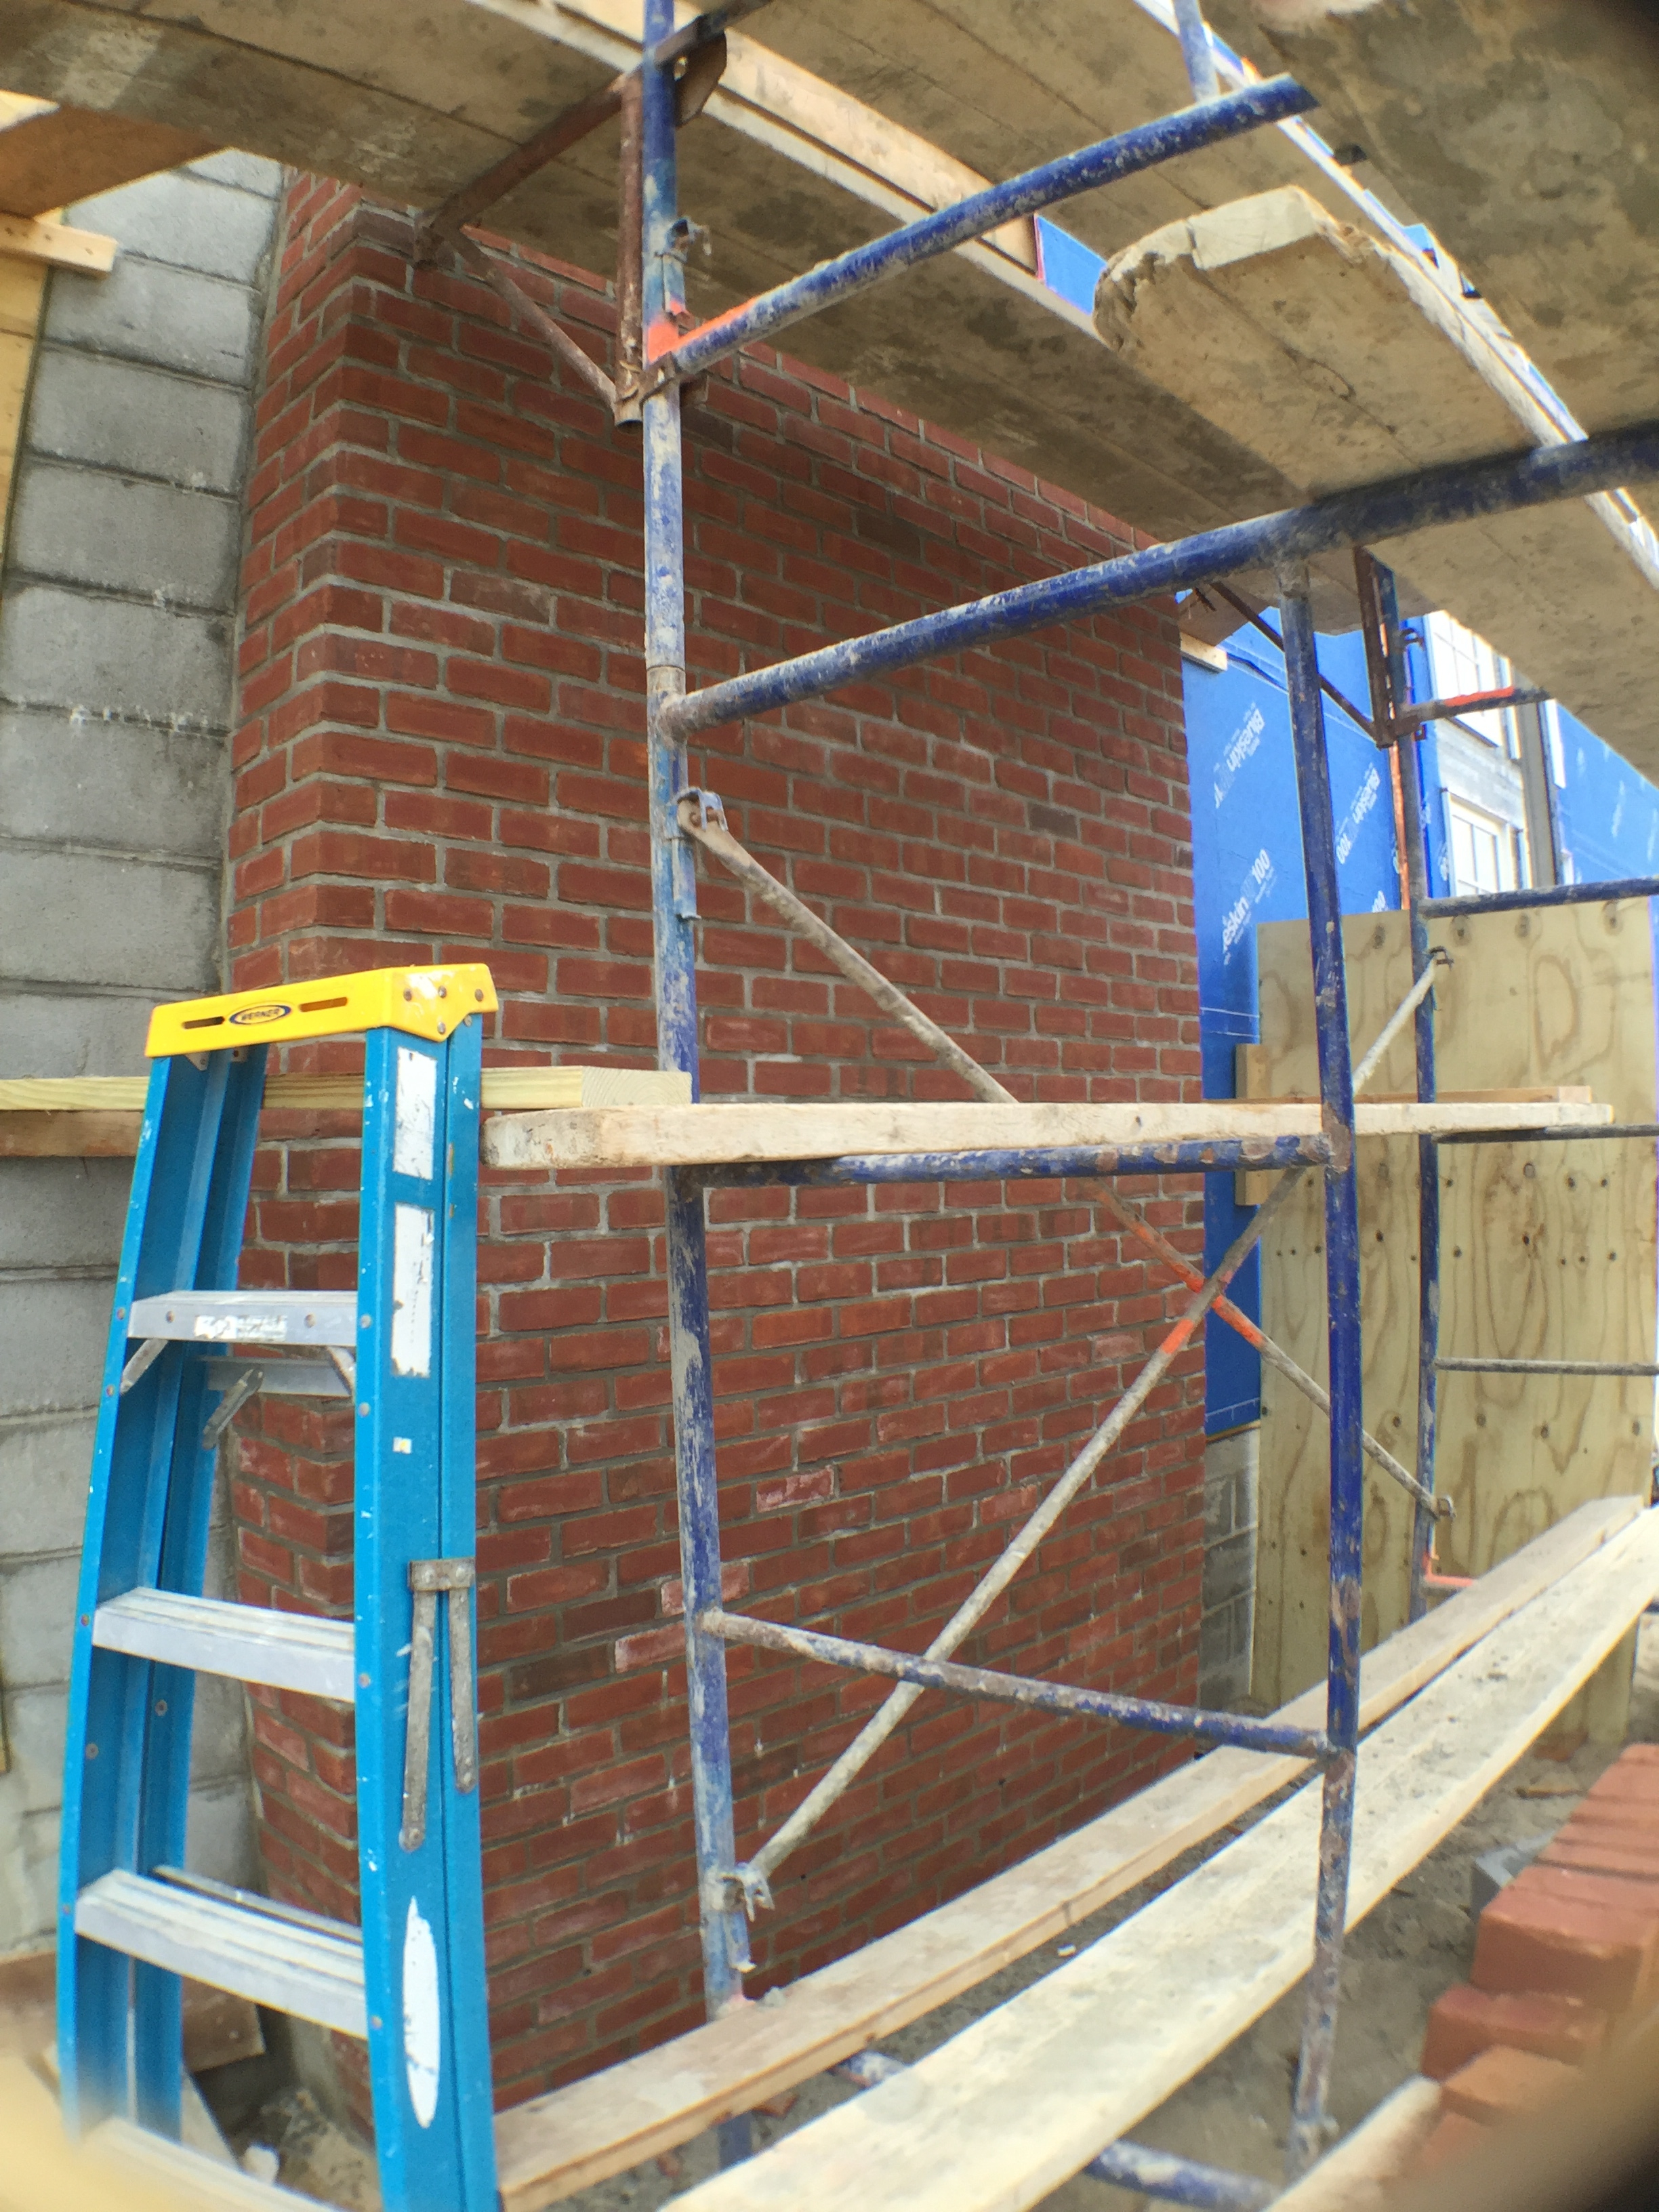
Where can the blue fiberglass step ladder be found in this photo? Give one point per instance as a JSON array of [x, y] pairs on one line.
[[187, 1349]]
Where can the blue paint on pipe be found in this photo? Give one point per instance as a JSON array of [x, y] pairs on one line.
[[723, 1931], [1308, 2121], [1503, 484], [1124, 156], [1247, 870], [1156, 1715], [1019, 1166]]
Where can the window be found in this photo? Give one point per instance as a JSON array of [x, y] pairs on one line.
[[1460, 662], [1486, 855]]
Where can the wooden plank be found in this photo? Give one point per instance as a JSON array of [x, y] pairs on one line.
[[56, 244], [52, 156], [1341, 361], [40, 2166], [502, 1087], [69, 1136], [1535, 998], [563, 2142], [1015, 2105], [687, 1136], [1378, 2153]]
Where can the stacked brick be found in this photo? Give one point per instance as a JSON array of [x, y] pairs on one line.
[[440, 757], [1565, 1954]]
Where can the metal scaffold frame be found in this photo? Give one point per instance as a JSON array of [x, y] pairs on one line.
[[657, 355]]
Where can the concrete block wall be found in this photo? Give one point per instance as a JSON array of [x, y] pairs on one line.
[[117, 618], [1227, 1625]]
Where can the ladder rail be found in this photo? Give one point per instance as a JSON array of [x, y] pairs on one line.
[[184, 1223], [133, 1918]]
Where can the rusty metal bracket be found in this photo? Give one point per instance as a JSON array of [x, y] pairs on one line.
[[427, 1577]]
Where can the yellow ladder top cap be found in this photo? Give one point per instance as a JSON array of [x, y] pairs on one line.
[[427, 1002]]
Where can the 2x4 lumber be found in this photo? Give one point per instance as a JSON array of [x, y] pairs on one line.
[[50, 157], [1340, 359], [28, 239], [555, 2144], [1012, 2106], [691, 1136], [88, 1117], [516, 1087]]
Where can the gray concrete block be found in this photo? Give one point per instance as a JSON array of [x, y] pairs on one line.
[[249, 173], [128, 785], [54, 1334], [112, 657], [66, 1033], [146, 311], [45, 1464], [37, 1621], [28, 1881], [36, 1722], [120, 415], [78, 917], [63, 1213], [119, 533], [186, 219], [1229, 1569], [218, 1748], [219, 1836]]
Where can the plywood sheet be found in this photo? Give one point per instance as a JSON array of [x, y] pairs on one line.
[[1547, 1252]]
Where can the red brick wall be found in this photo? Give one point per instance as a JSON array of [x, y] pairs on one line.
[[440, 756]]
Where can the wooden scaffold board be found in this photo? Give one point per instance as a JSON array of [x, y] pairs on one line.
[[554, 2145], [1014, 2105]]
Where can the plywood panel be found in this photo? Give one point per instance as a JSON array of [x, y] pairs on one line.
[[1547, 1252]]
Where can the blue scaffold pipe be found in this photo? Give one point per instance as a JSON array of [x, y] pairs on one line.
[[1125, 2165], [723, 1923], [1309, 2122], [1016, 1166], [1416, 859], [1621, 887], [1196, 53], [1131, 151], [1154, 1714], [1453, 493]]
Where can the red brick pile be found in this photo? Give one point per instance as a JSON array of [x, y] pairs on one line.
[[1565, 1953]]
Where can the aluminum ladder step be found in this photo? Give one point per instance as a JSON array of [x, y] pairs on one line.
[[192, 2180], [247, 1317], [283, 1650], [299, 1964]]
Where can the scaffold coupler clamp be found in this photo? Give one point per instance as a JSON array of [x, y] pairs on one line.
[[698, 808], [738, 1893]]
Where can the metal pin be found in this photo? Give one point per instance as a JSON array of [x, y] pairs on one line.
[[141, 1360], [246, 1383]]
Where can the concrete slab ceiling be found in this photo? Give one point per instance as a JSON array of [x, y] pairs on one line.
[[791, 163], [1524, 133]]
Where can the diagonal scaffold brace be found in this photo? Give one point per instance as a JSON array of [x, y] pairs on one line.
[[701, 817]]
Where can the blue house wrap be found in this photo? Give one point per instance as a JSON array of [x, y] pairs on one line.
[[1247, 846], [1247, 865]]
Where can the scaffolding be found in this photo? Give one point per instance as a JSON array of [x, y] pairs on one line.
[[658, 355]]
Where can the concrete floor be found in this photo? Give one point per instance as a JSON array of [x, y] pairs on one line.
[[1410, 1949]]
